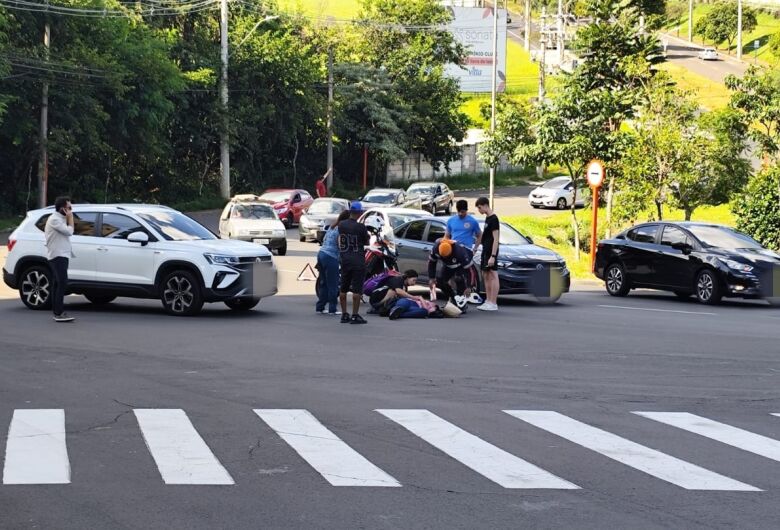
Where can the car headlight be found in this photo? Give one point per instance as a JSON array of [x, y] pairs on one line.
[[736, 265], [219, 259], [279, 233], [503, 264]]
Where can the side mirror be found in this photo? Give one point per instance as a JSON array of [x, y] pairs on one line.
[[139, 237]]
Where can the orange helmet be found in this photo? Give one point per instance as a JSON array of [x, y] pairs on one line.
[[445, 248]]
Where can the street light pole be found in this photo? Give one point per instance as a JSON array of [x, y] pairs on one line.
[[43, 141], [690, 20], [224, 136], [527, 25], [739, 30], [493, 90]]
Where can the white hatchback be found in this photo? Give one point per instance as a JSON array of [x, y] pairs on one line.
[[141, 251], [248, 218], [556, 193], [708, 54]]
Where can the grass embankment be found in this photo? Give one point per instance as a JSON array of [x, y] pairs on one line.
[[339, 9], [768, 25], [556, 232], [710, 94]]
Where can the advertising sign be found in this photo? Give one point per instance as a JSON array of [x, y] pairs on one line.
[[473, 28]]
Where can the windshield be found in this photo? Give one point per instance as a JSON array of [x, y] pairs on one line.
[[380, 197], [421, 189], [175, 226], [253, 211], [397, 219], [508, 235], [325, 207], [276, 196], [722, 237], [555, 184]]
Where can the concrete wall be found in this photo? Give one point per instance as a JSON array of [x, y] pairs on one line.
[[415, 167]]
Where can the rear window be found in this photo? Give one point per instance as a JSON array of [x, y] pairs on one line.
[[83, 223]]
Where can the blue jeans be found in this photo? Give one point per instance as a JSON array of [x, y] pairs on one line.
[[411, 309], [329, 274]]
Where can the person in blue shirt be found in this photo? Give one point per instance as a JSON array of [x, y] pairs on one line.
[[328, 265], [463, 228]]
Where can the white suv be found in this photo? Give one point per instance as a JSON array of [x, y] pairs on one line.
[[141, 251]]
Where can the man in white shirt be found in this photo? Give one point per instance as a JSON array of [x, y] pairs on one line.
[[58, 231]]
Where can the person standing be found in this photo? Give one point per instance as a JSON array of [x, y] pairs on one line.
[[353, 240], [321, 187], [489, 260], [58, 231], [464, 228], [328, 265]]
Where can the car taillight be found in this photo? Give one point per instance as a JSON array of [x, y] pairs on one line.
[[11, 244]]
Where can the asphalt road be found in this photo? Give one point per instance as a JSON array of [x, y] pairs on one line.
[[591, 358], [683, 53]]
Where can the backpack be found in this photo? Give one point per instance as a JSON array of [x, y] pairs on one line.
[[375, 281]]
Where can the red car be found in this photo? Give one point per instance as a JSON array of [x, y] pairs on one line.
[[289, 205]]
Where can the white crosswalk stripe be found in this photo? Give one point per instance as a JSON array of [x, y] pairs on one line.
[[178, 450], [727, 434], [35, 451], [486, 459], [650, 461], [336, 461]]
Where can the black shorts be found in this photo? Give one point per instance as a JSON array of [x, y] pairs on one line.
[[484, 263], [353, 274]]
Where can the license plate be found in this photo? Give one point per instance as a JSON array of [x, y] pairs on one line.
[[262, 241]]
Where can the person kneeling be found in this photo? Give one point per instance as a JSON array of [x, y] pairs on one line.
[[392, 289]]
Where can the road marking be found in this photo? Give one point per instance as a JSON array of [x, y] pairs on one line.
[[181, 455], [657, 310], [486, 459], [35, 451], [650, 461], [727, 434], [337, 462]]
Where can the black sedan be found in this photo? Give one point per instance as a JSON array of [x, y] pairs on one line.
[[706, 260], [523, 268]]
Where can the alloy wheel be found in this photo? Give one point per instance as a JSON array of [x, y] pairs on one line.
[[178, 294], [614, 279], [705, 286], [36, 288]]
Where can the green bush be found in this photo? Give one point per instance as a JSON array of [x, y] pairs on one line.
[[758, 209]]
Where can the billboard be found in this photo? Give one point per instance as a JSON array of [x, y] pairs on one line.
[[473, 28]]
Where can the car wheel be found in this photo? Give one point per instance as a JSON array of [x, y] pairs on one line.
[[290, 220], [36, 287], [616, 281], [448, 210], [708, 289], [561, 204], [181, 294], [682, 294], [282, 250], [242, 304], [100, 299]]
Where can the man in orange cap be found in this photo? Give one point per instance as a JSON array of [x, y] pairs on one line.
[[456, 265]]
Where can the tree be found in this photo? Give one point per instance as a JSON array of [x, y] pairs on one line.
[[720, 23], [757, 97], [756, 208], [513, 129]]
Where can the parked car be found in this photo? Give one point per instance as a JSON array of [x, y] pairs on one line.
[[708, 54], [323, 212], [247, 218], [289, 205], [141, 251], [521, 263], [434, 196], [706, 260], [556, 193], [389, 198], [392, 218]]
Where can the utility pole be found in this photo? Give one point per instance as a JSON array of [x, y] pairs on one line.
[[542, 68], [330, 117], [493, 89], [690, 20], [739, 30], [527, 21], [43, 141], [561, 33], [224, 137]]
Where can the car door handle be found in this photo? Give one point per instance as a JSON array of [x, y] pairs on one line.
[[103, 249]]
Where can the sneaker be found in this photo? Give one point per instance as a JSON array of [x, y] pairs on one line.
[[320, 312], [475, 299], [357, 319], [396, 313], [460, 301], [337, 313], [487, 306], [345, 318], [63, 317]]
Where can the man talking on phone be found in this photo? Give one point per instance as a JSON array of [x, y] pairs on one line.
[[58, 231]]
